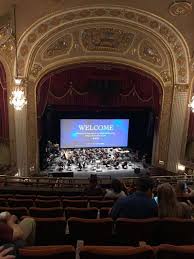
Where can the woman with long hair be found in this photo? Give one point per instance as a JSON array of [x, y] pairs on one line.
[[168, 205], [116, 191]]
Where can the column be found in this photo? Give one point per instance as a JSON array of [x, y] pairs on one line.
[[179, 113], [21, 141]]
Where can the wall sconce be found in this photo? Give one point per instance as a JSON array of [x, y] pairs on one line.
[[191, 104]]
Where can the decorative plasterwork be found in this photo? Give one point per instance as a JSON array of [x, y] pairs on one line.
[[106, 39], [162, 30], [60, 47], [180, 8], [150, 53], [166, 76], [36, 70], [182, 88]]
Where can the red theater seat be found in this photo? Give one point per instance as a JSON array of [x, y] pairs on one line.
[[132, 231], [105, 212], [43, 197], [75, 203], [175, 252], [87, 213], [175, 231], [50, 231], [50, 252], [47, 204], [46, 212], [92, 231], [20, 203], [100, 204], [116, 252]]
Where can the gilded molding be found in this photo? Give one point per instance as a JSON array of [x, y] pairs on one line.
[[157, 26], [182, 88], [150, 53], [180, 8], [59, 47], [106, 39]]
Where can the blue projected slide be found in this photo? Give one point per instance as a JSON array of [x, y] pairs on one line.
[[78, 133]]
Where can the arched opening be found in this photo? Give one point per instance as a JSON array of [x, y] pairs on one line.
[[99, 90]]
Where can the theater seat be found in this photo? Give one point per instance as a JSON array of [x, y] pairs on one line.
[[87, 213], [92, 231], [75, 203], [132, 231], [25, 196], [47, 203], [175, 252], [50, 231], [3, 202], [18, 211], [175, 231], [116, 252], [48, 197], [50, 252], [100, 204], [20, 203], [104, 212], [46, 212]]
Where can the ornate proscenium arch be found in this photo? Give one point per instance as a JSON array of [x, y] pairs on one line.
[[107, 34]]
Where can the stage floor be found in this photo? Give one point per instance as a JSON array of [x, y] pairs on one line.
[[113, 173]]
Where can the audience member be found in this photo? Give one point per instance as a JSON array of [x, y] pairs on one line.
[[116, 191], [6, 252], [12, 231], [181, 188], [168, 205], [138, 205], [93, 189]]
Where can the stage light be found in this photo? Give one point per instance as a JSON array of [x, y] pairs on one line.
[[181, 167]]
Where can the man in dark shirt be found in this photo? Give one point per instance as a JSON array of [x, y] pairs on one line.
[[139, 205]]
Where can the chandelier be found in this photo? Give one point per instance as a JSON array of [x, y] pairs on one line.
[[191, 104], [18, 97]]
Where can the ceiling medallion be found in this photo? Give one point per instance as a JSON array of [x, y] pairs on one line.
[[179, 7]]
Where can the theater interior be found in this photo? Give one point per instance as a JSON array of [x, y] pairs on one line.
[[91, 91]]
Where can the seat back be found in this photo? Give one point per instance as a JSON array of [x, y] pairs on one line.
[[47, 197], [175, 252], [47, 203], [46, 212], [175, 231], [25, 196], [104, 212], [3, 202], [132, 231], [50, 252], [18, 211], [20, 203], [92, 231], [50, 231], [100, 204], [87, 213], [75, 203], [116, 252]]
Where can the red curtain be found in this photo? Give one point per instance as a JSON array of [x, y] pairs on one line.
[[4, 129], [70, 89]]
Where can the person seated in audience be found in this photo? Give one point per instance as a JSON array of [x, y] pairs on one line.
[[168, 205], [7, 252], [138, 205], [13, 231], [93, 189], [181, 189], [116, 191]]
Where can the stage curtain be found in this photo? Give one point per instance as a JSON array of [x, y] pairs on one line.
[[4, 128], [71, 89]]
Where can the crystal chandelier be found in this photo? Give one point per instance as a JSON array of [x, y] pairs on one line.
[[191, 105], [17, 98]]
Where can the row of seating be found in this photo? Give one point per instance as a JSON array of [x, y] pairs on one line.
[[108, 252], [68, 212], [55, 231], [50, 197], [55, 203]]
